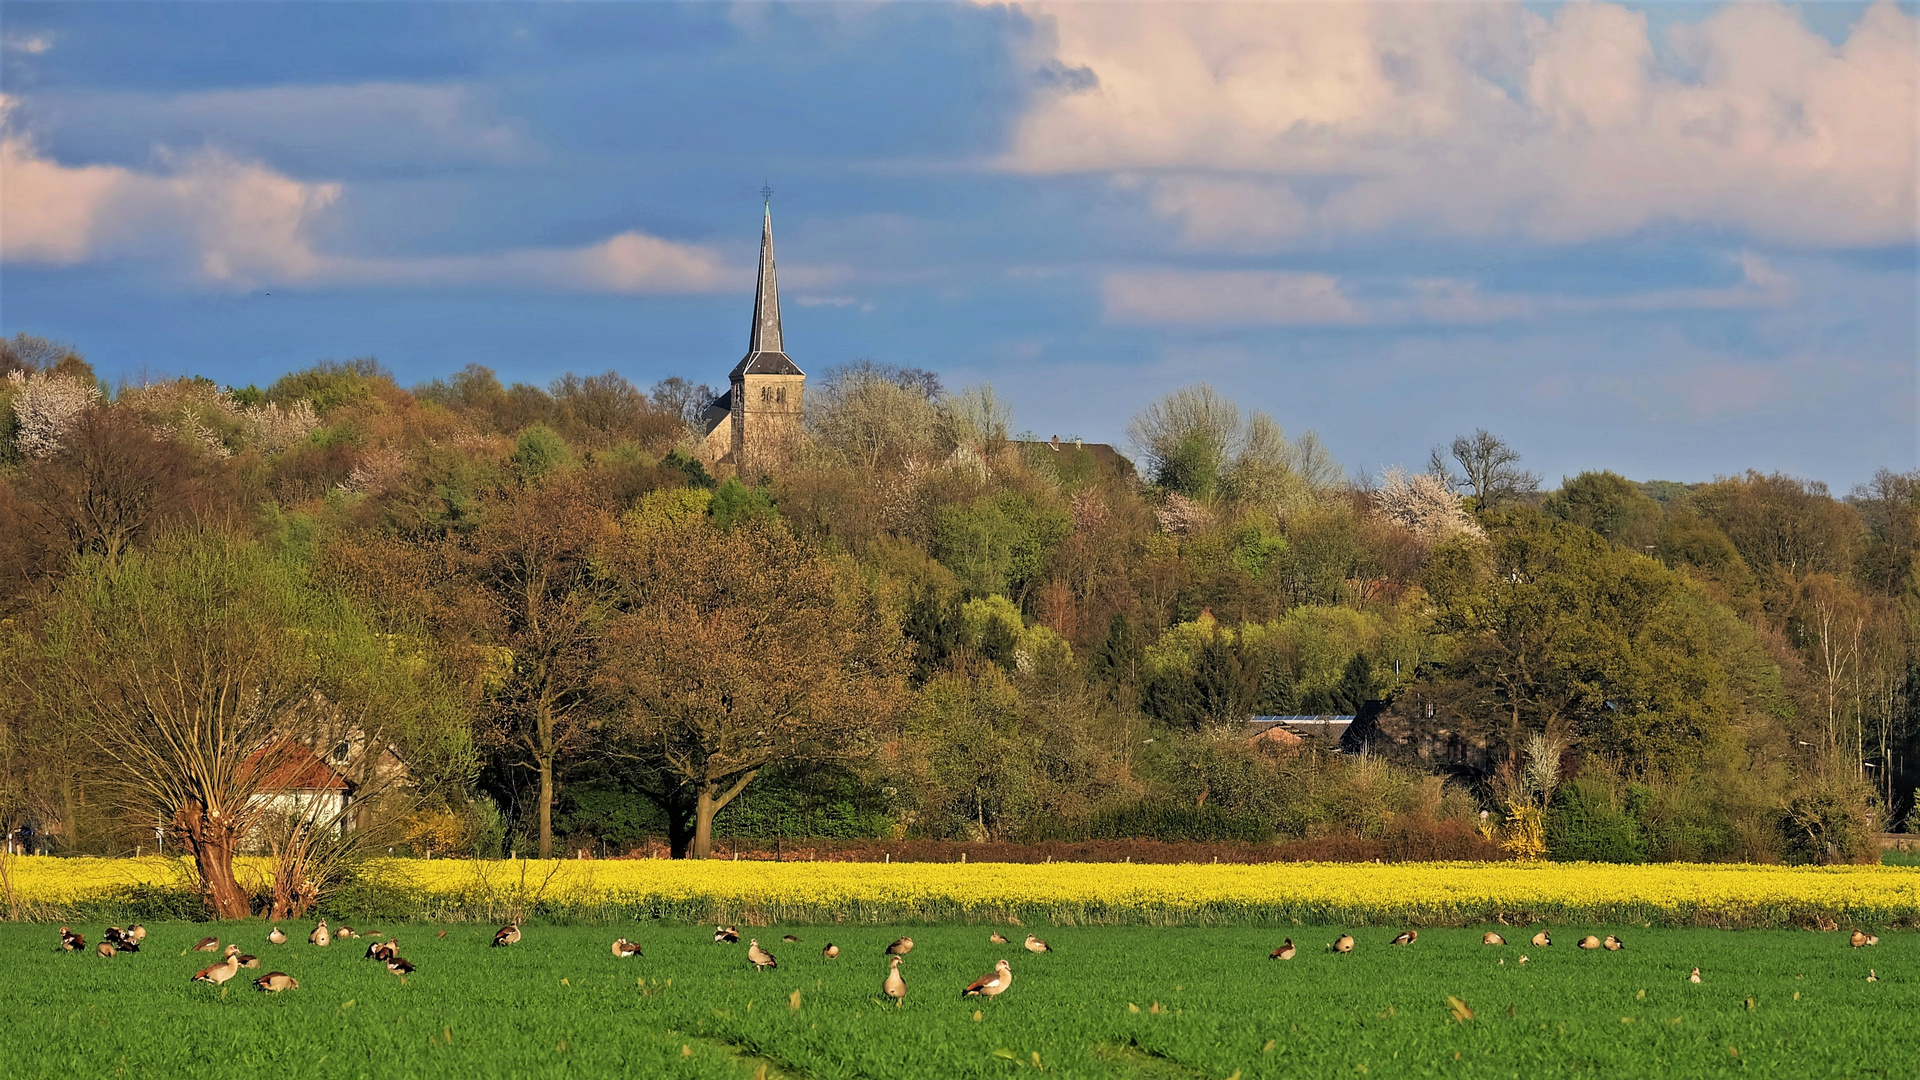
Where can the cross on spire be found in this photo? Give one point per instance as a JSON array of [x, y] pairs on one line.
[[766, 192]]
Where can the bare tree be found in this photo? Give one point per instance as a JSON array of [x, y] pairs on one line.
[[736, 649], [1489, 468]]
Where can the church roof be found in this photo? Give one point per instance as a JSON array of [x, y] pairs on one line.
[[766, 352]]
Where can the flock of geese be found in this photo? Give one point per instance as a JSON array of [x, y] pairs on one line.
[[996, 982], [991, 985]]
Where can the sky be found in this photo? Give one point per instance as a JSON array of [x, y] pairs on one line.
[[1676, 240]]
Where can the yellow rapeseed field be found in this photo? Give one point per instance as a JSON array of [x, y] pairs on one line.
[[1427, 893]]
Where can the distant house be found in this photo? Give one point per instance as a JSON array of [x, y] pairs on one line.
[[1295, 730], [1080, 460], [299, 783]]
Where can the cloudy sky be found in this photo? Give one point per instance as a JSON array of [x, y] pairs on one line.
[[1672, 240]]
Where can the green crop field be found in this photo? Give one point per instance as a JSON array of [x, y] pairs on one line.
[[1109, 1002]]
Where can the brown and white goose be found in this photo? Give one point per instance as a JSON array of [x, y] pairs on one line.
[[1407, 938], [991, 985], [246, 960], [380, 950], [726, 935], [901, 947], [275, 981], [277, 936], [105, 948], [1286, 951], [137, 932], [400, 966], [895, 987], [761, 958], [1491, 938], [789, 939], [831, 952], [122, 940], [71, 941], [507, 935], [219, 973], [1861, 940], [321, 936], [1342, 944], [623, 948], [1542, 939], [1693, 976], [997, 938], [1035, 945], [207, 944], [1613, 944], [1589, 942], [346, 933]]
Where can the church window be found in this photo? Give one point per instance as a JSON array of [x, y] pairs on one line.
[[766, 394], [780, 395]]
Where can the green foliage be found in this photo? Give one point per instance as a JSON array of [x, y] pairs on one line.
[[329, 384], [1610, 505], [998, 544], [734, 502], [696, 473], [1588, 824], [538, 452]]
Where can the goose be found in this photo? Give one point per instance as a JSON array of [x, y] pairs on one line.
[[1491, 938], [1614, 944], [275, 981], [1542, 939], [1343, 943], [276, 936], [346, 933], [1523, 958], [991, 985], [137, 932], [1035, 945], [895, 987], [247, 961], [1860, 940], [726, 935], [400, 966], [384, 950], [1589, 942], [761, 958], [321, 936], [789, 939], [219, 973], [71, 941], [901, 947], [1407, 938], [1284, 952], [105, 948], [207, 944], [997, 938], [831, 951], [1693, 976], [121, 940], [507, 935], [1871, 976], [624, 948]]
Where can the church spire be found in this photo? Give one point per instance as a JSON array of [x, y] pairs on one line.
[[766, 346], [766, 295]]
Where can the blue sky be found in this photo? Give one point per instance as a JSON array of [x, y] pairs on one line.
[[1676, 241]]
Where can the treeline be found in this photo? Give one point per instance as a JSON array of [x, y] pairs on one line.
[[525, 619]]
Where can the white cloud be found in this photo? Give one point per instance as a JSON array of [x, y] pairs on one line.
[[1226, 298], [31, 44], [1243, 298], [243, 224], [1257, 125]]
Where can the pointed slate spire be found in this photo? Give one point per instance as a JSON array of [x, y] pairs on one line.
[[766, 352], [766, 296]]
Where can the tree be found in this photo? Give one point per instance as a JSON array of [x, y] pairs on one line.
[[1423, 505], [201, 670], [874, 414], [546, 608], [1489, 468], [107, 485], [1610, 505], [736, 649]]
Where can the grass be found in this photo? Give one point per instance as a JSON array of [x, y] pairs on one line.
[[1110, 1002]]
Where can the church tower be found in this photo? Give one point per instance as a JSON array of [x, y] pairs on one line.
[[758, 419]]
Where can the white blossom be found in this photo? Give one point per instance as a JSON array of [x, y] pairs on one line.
[[44, 407], [1422, 504]]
